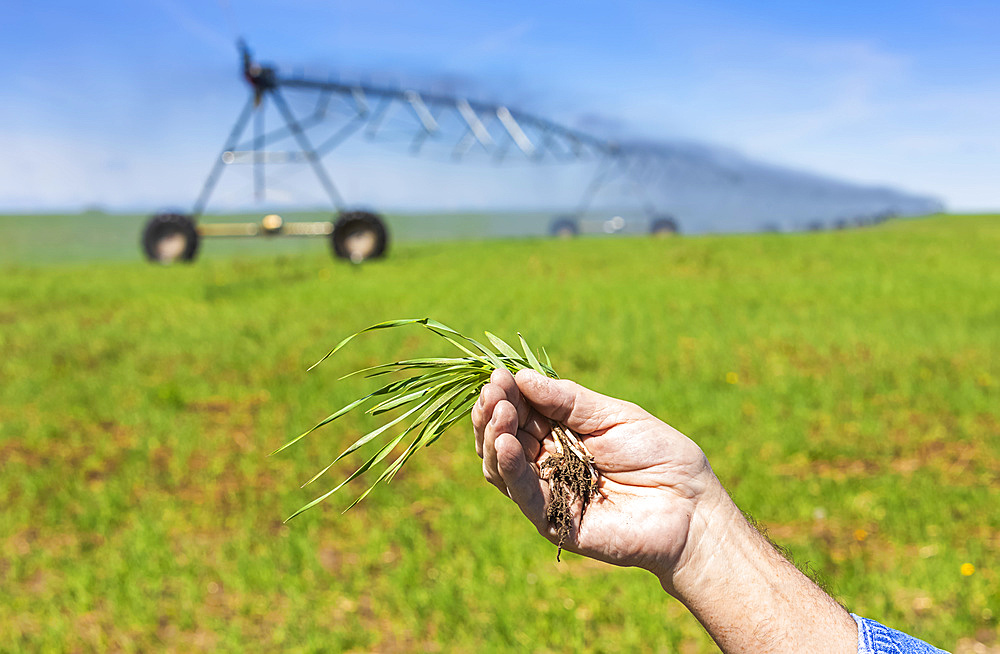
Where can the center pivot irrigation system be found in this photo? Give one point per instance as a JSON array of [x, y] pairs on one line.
[[465, 125], [707, 186]]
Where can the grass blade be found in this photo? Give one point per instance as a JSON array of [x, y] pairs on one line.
[[388, 324], [327, 420], [396, 401], [438, 391], [375, 459], [548, 365], [503, 347], [405, 364], [530, 355], [435, 326]]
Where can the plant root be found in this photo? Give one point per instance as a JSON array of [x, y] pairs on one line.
[[571, 476]]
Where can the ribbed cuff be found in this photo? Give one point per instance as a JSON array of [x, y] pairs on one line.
[[874, 638]]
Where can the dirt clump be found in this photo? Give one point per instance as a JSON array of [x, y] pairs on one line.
[[572, 477]]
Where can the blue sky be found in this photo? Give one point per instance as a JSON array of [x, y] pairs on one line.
[[125, 105]]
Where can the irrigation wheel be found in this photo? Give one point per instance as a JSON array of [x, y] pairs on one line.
[[358, 236], [664, 226], [170, 237], [564, 227]]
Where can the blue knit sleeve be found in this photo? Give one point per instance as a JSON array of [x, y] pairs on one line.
[[874, 638]]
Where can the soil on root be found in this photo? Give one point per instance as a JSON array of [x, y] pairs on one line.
[[571, 477]]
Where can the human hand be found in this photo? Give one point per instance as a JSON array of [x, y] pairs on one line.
[[657, 489], [660, 508]]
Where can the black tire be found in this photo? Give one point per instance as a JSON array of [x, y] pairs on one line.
[[170, 237], [564, 228], [359, 236], [664, 226]]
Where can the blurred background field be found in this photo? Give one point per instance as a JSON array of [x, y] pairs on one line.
[[33, 239], [844, 385]]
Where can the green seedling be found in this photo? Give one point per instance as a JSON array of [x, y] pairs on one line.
[[429, 395]]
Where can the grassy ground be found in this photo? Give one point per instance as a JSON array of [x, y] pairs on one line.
[[845, 386], [87, 237]]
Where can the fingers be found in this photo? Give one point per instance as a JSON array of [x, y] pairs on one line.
[[504, 421], [581, 409], [502, 387], [482, 411], [522, 482]]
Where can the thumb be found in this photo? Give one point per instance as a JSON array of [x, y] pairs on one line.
[[579, 408]]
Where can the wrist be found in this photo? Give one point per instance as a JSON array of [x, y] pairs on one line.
[[716, 526], [746, 594]]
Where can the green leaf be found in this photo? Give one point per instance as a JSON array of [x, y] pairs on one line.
[[376, 458], [434, 394], [327, 420], [503, 347], [368, 437], [530, 355], [435, 326], [548, 365], [472, 355], [388, 324], [408, 364], [450, 416], [397, 401]]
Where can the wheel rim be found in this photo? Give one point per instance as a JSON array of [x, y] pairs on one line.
[[170, 247], [360, 243]]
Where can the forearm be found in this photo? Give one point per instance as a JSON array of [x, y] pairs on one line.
[[747, 595]]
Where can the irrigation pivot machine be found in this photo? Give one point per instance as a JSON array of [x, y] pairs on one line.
[[315, 117], [338, 111]]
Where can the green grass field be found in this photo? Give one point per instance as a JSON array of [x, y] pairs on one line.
[[39, 240], [845, 386]]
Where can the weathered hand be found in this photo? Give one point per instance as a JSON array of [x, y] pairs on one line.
[[662, 509], [653, 478]]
